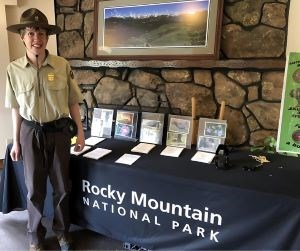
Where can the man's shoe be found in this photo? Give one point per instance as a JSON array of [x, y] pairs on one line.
[[64, 244], [35, 247]]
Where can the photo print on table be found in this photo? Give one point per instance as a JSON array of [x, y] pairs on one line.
[[179, 132], [176, 139], [123, 130], [208, 144], [179, 125], [102, 122], [125, 117], [107, 117], [215, 129]]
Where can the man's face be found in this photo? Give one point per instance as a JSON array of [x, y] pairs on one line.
[[35, 40]]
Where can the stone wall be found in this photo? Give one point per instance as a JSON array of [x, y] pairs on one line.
[[252, 29]]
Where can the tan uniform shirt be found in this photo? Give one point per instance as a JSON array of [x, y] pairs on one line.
[[43, 95]]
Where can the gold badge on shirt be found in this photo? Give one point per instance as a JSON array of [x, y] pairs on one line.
[[50, 76]]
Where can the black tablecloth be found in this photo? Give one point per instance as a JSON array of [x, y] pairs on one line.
[[174, 203], [13, 190]]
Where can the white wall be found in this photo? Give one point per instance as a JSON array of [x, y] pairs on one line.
[[11, 48]]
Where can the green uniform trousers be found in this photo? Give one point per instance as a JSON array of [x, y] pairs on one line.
[[46, 154]]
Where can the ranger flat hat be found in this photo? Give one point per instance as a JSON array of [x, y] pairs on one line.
[[34, 18]]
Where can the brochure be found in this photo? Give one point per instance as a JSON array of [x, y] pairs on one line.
[[203, 157], [143, 148], [128, 159], [97, 153], [91, 141], [172, 151]]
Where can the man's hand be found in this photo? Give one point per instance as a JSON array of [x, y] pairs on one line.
[[80, 142], [15, 152]]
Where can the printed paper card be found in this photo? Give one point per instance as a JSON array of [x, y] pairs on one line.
[[128, 159], [91, 141], [97, 153], [203, 157], [172, 151], [143, 148], [86, 148]]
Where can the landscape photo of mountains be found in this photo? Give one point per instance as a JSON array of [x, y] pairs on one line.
[[172, 24]]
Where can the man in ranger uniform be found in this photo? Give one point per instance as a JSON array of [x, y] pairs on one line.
[[42, 93]]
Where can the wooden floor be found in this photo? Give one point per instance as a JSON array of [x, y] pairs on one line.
[[1, 163]]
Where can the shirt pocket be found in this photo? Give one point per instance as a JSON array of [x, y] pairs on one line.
[[24, 88], [55, 85], [56, 94], [25, 94]]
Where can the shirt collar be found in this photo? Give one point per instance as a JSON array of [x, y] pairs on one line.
[[48, 60]]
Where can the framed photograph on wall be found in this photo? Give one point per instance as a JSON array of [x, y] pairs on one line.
[[126, 125], [157, 29]]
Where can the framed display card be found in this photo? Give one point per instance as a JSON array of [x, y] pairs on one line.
[[126, 125], [211, 133], [152, 125], [102, 122], [179, 131]]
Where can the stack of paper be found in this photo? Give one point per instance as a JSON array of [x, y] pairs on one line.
[[143, 148], [127, 159], [172, 151], [97, 153]]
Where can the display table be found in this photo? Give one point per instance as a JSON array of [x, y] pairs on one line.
[[173, 203], [13, 190]]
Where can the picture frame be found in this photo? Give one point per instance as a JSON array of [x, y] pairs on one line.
[[152, 125], [102, 122], [179, 132], [157, 29], [126, 125], [211, 133]]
